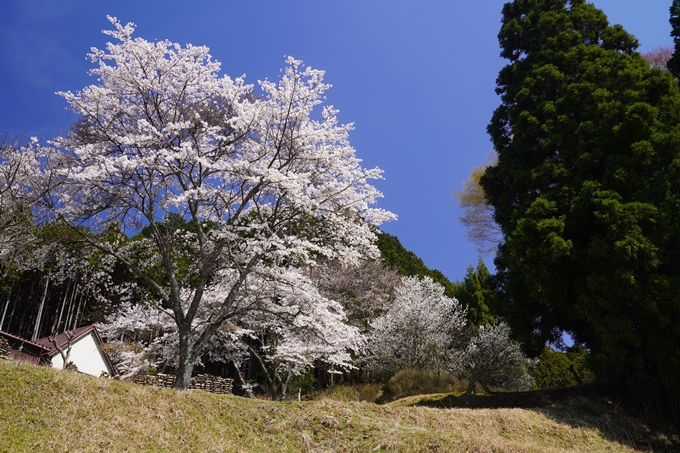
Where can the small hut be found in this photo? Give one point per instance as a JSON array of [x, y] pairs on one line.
[[81, 346]]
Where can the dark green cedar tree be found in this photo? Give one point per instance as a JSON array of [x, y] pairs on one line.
[[477, 293], [673, 64], [587, 192]]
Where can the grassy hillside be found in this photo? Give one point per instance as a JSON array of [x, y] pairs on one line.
[[48, 410]]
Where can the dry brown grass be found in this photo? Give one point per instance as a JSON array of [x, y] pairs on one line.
[[420, 382], [368, 393], [54, 411]]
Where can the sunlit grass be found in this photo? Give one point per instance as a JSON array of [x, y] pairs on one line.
[[54, 411]]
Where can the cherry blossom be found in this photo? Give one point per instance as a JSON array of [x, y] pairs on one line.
[[421, 330], [262, 181]]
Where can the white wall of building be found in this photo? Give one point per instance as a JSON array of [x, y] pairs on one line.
[[85, 354]]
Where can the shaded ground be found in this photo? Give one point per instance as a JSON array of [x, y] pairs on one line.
[[594, 406], [530, 399]]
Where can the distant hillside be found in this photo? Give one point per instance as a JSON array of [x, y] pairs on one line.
[[476, 291], [406, 262], [47, 410]]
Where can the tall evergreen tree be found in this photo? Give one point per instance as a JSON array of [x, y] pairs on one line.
[[477, 293], [587, 191], [673, 64]]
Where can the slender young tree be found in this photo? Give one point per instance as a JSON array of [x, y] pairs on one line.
[[262, 186]]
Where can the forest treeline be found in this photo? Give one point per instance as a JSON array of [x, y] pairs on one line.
[[59, 292]]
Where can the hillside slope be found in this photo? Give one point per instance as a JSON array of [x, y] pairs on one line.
[[53, 411]]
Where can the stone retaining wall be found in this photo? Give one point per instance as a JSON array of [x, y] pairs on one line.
[[212, 384]]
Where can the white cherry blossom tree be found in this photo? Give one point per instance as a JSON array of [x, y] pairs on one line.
[[262, 181], [492, 358], [25, 178], [422, 328], [282, 322]]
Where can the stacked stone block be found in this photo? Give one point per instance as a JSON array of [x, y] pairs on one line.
[[206, 382], [5, 351]]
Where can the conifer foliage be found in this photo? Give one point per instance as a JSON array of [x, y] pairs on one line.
[[673, 64], [586, 190]]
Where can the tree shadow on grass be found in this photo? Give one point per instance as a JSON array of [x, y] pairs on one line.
[[578, 407]]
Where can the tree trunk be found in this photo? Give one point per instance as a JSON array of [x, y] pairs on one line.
[[286, 390], [186, 363], [9, 299], [36, 329], [14, 306], [470, 389], [81, 306], [69, 313], [244, 385], [55, 328], [271, 384], [485, 387]]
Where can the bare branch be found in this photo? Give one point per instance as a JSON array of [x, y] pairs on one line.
[[658, 56], [65, 355], [477, 217]]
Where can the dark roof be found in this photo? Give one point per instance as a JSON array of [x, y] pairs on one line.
[[26, 351], [62, 341]]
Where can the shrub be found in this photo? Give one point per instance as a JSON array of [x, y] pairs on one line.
[[559, 369], [492, 358], [304, 383], [419, 382], [358, 392]]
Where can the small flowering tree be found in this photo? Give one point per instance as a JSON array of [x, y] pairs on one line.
[[492, 358], [263, 187], [421, 329]]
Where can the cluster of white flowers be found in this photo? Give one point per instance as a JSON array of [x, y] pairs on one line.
[[420, 330], [424, 329], [261, 189]]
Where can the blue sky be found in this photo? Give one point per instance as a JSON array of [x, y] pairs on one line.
[[416, 77]]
